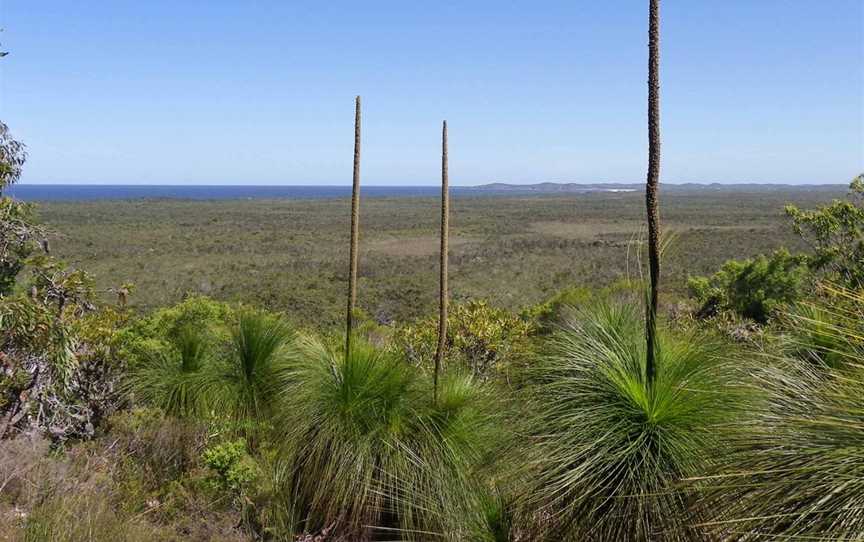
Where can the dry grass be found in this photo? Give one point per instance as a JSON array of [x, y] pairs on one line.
[[125, 488]]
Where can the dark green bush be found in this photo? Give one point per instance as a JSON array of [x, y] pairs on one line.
[[754, 288], [235, 469], [164, 330]]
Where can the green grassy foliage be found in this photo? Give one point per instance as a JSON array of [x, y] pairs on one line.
[[249, 383], [351, 445], [827, 329], [171, 378], [797, 473], [371, 450], [607, 452], [240, 381]]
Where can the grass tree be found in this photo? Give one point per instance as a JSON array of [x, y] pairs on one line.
[[247, 386], [172, 378], [608, 452], [652, 185], [621, 412], [445, 234], [355, 232], [242, 383], [372, 453]]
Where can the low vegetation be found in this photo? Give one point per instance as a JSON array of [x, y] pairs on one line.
[[229, 422]]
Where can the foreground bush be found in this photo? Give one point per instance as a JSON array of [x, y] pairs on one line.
[[372, 453], [797, 473], [59, 366], [608, 452]]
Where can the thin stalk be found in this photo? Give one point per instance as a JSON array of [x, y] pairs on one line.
[[445, 234], [355, 231], [653, 181]]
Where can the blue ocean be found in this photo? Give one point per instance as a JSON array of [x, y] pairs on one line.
[[70, 192]]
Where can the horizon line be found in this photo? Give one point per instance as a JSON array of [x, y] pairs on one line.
[[348, 184]]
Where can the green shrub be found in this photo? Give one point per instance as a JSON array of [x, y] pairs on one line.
[[547, 316], [234, 467], [754, 288], [60, 357], [608, 451], [163, 330], [480, 339], [836, 234]]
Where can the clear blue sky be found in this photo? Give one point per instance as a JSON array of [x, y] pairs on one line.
[[261, 92]]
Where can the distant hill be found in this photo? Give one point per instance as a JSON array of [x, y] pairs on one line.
[[549, 187]]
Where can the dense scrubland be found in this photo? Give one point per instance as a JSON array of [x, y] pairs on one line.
[[514, 251]]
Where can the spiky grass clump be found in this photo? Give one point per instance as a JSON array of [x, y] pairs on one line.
[[828, 330], [373, 452], [249, 384], [798, 473], [243, 382], [607, 451], [171, 378]]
